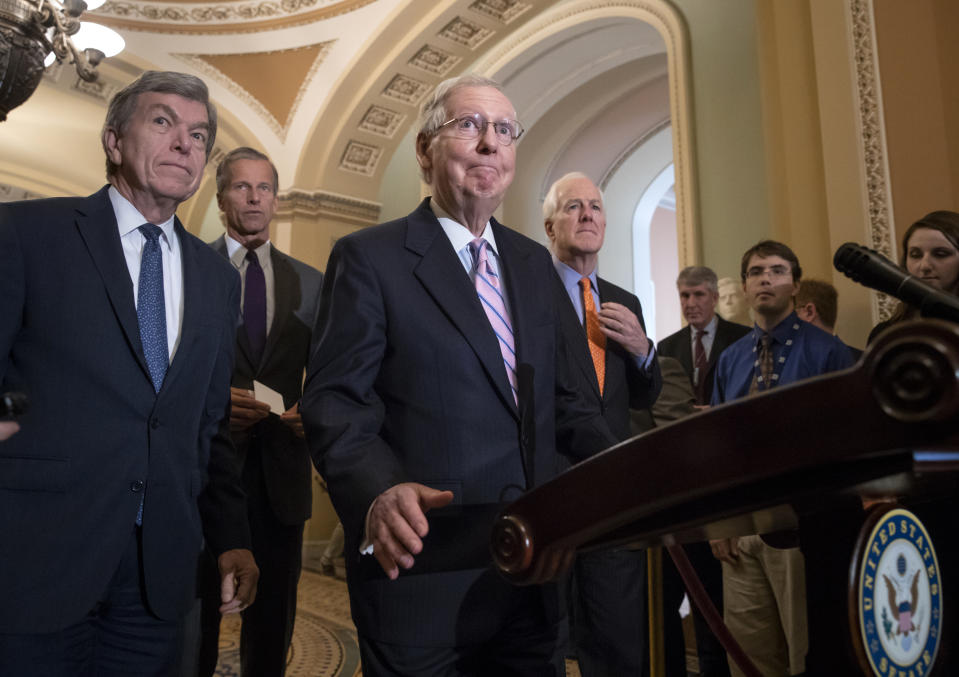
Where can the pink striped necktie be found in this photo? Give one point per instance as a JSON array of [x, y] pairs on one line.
[[491, 297]]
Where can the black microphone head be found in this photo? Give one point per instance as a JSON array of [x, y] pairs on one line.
[[869, 268]]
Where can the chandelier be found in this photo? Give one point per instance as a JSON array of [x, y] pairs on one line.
[[35, 33]]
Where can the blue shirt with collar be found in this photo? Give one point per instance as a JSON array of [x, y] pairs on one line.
[[812, 352]]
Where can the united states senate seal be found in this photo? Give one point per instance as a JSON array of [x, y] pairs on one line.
[[896, 603]]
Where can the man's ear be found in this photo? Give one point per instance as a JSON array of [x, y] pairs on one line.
[[423, 152], [111, 145], [549, 229], [806, 311]]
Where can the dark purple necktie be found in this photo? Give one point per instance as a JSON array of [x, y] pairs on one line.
[[254, 306]]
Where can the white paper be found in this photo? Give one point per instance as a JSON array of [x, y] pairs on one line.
[[266, 394]]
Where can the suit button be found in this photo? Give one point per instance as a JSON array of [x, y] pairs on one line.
[[154, 423], [136, 486]]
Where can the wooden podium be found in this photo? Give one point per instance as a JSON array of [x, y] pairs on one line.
[[797, 457]]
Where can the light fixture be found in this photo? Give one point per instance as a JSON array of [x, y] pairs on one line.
[[32, 30]]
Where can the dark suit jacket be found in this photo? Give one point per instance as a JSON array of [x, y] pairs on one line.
[[407, 383], [627, 387], [71, 480], [285, 458], [679, 347]]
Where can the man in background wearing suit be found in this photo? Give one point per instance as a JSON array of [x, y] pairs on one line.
[[280, 301], [439, 387], [119, 326], [697, 346], [606, 336]]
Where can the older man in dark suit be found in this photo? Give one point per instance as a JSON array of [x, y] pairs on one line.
[[604, 327], [119, 325], [280, 301], [697, 347], [439, 387]]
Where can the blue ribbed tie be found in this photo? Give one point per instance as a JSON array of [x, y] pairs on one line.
[[151, 314], [151, 307]]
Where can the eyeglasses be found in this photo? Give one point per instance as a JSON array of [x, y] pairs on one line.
[[774, 271], [474, 125]]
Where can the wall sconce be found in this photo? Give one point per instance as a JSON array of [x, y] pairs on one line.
[[35, 33]]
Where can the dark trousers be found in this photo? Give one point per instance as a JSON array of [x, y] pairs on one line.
[[610, 613], [118, 638], [525, 645], [712, 656], [267, 627]]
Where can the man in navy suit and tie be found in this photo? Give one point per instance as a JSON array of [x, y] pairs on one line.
[[280, 301], [438, 391], [119, 326], [618, 370]]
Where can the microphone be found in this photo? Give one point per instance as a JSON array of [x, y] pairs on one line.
[[873, 270], [13, 405]]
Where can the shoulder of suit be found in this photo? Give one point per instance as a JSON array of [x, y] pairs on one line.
[[671, 340], [606, 287], [732, 328], [57, 204]]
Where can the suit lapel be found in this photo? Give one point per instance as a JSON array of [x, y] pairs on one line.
[[243, 343], [99, 230], [193, 310], [285, 288], [686, 350], [442, 275]]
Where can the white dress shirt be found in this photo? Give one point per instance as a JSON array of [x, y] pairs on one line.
[[129, 220]]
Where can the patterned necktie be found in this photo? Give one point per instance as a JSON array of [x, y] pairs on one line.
[[765, 362], [701, 366], [254, 305], [487, 287], [595, 337], [151, 306]]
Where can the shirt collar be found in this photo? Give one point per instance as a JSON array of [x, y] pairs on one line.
[[571, 277], [781, 331], [129, 217], [709, 329], [236, 257], [458, 234]]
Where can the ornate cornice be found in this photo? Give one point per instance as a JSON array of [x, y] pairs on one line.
[[872, 129], [222, 17], [322, 203], [279, 127], [664, 17]]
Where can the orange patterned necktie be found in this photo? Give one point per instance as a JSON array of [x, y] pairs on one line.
[[596, 338]]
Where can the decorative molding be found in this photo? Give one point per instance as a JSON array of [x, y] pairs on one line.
[[10, 193], [360, 158], [666, 19], [434, 60], [223, 17], [98, 89], [408, 90], [465, 32], [280, 128], [872, 128], [381, 121], [322, 203], [501, 10], [629, 150]]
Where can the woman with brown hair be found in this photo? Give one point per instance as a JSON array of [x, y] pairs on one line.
[[930, 252]]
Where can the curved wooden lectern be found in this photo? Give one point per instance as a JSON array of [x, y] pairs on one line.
[[797, 457]]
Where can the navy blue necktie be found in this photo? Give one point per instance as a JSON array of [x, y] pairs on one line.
[[254, 306], [151, 306], [151, 314]]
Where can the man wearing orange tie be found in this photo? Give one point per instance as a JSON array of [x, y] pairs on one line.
[[617, 369]]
